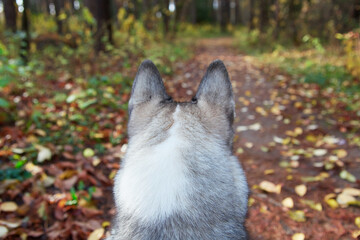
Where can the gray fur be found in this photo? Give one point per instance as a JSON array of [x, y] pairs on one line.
[[218, 192]]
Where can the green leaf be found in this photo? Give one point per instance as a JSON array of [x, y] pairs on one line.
[[347, 176], [88, 152], [4, 103], [85, 104], [73, 194], [298, 216], [4, 81]]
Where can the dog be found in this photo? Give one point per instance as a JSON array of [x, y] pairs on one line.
[[179, 178]]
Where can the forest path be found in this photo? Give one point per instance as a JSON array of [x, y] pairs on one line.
[[281, 136]]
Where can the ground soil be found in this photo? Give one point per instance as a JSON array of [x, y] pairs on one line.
[[254, 88]]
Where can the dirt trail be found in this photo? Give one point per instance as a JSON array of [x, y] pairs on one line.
[[276, 147]]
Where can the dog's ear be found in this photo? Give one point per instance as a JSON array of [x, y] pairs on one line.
[[147, 86], [215, 88]]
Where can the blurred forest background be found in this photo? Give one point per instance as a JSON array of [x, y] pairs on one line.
[[66, 69]]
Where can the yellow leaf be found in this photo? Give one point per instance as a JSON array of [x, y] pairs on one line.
[[298, 236], [96, 161], [251, 201], [298, 131], [288, 202], [34, 169], [298, 216], [332, 203], [96, 234], [261, 111], [275, 110], [301, 190], [341, 153], [105, 224], [270, 187], [240, 151], [344, 199], [269, 171], [357, 222], [286, 141], [112, 174], [352, 191], [320, 152], [313, 205], [8, 207], [88, 152], [355, 234]]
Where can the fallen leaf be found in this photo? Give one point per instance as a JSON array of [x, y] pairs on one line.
[[270, 187], [301, 190], [332, 203], [44, 154], [11, 224], [319, 152], [288, 202], [355, 234], [344, 199], [347, 176], [352, 191], [298, 216], [255, 127], [357, 222], [269, 171], [312, 204], [88, 152], [298, 236], [341, 153], [3, 231], [261, 111], [278, 139], [249, 144], [264, 149], [30, 167], [8, 207]]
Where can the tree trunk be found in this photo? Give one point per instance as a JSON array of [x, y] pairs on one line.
[[10, 14], [46, 6], [277, 20], [101, 10], [294, 10], [356, 11], [224, 14], [264, 15], [237, 12], [165, 15], [25, 43], [252, 15], [59, 6]]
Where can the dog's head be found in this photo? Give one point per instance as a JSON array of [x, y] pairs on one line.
[[210, 113]]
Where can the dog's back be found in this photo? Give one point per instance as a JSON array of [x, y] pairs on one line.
[[179, 179]]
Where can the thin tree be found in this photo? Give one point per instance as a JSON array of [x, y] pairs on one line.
[[165, 15], [101, 10], [264, 15], [25, 26], [252, 14], [224, 14], [59, 6], [276, 32], [10, 14]]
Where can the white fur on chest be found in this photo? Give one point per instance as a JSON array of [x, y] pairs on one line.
[[152, 184]]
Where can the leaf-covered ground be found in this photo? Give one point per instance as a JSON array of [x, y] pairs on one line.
[[298, 144]]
